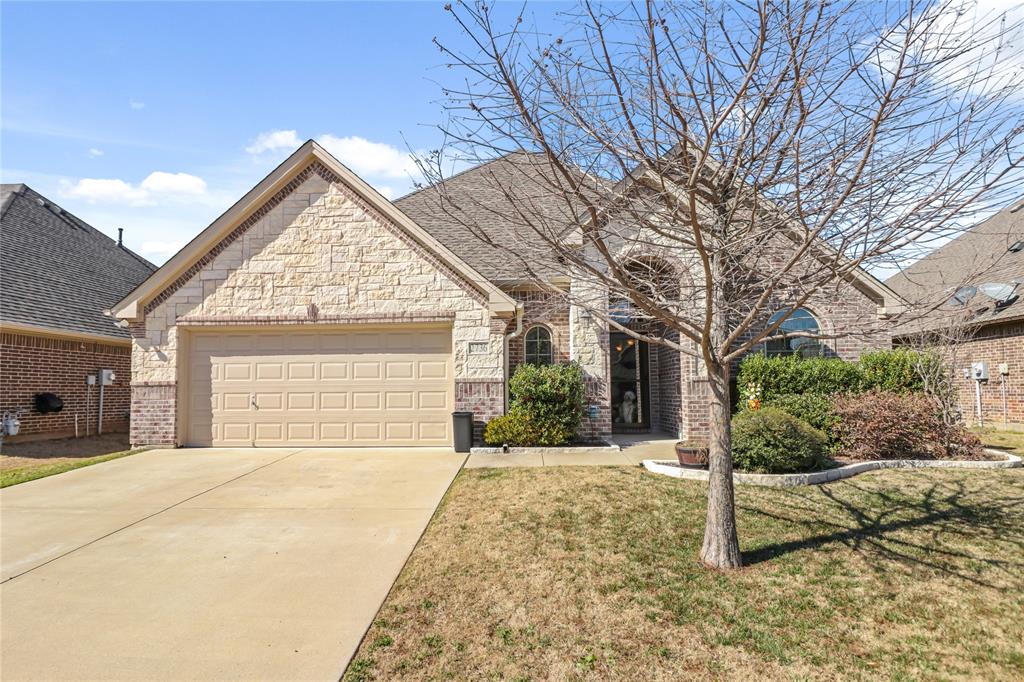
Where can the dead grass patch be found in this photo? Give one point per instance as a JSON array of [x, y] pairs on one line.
[[575, 573]]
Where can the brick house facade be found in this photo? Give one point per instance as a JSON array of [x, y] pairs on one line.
[[314, 253], [981, 265], [35, 363], [59, 274]]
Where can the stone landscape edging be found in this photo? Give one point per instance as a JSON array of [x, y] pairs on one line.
[[562, 450], [672, 468]]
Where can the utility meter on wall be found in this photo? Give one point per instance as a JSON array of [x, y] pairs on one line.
[[979, 371], [107, 377]]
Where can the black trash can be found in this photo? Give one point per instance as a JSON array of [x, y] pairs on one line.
[[462, 427]]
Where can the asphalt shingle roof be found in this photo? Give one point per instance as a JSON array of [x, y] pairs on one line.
[[978, 256], [56, 271], [475, 210]]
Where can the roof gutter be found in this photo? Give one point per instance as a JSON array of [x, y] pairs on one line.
[[509, 337]]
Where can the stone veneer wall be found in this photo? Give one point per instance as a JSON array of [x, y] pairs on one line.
[[315, 242], [31, 364], [590, 349]]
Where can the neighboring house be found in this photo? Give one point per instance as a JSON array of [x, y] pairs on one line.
[[976, 283], [317, 312], [57, 275]]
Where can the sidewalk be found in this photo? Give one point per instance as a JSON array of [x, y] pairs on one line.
[[634, 449]]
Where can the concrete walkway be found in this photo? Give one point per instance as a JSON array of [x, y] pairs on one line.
[[634, 450], [209, 564]]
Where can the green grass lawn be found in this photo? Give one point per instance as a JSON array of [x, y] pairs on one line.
[[1007, 440], [591, 573], [43, 468]]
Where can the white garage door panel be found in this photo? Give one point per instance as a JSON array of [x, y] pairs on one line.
[[331, 389]]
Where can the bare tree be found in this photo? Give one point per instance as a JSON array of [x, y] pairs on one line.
[[713, 163]]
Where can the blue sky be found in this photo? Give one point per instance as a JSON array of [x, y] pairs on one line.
[[155, 117]]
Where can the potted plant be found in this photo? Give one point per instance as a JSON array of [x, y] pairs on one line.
[[692, 452]]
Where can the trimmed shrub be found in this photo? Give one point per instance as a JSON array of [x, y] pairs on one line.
[[547, 406], [893, 370], [889, 425], [771, 441], [787, 375], [517, 429], [813, 408]]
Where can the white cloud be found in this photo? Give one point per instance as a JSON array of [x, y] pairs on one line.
[[104, 190], [94, 152], [159, 182], [157, 185], [159, 251], [274, 140], [978, 43], [136, 104], [372, 159]]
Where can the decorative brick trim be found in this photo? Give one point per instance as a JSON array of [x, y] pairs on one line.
[[56, 343], [260, 320], [328, 175]]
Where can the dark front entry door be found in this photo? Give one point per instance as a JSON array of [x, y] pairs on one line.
[[631, 395]]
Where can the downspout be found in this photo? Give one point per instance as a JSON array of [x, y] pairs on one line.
[[509, 337]]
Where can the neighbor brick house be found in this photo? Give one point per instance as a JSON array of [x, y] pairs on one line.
[[317, 312], [57, 275], [976, 282]]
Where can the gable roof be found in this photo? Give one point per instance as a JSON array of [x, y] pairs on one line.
[[59, 273], [980, 255], [184, 263]]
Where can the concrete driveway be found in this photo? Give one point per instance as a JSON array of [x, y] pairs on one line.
[[209, 564]]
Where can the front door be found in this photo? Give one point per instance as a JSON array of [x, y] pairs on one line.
[[631, 399]]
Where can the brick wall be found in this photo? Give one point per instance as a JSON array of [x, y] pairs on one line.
[[31, 364], [545, 308], [153, 411], [995, 344], [844, 313], [484, 398], [669, 387]]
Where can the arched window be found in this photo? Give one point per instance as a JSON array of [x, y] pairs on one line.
[[787, 343], [538, 346]]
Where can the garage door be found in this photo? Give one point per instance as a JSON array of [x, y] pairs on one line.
[[370, 387]]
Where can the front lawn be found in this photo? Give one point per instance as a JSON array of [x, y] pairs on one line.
[[27, 461], [1012, 441], [573, 573]]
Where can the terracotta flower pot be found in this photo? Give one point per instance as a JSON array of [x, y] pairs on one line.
[[692, 454]]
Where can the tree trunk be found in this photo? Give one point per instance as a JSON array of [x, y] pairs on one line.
[[721, 546]]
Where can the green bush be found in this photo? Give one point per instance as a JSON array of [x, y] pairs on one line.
[[547, 407], [788, 375], [894, 371], [771, 441], [813, 408], [517, 429]]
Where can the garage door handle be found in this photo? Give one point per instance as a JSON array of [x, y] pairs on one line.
[[252, 400]]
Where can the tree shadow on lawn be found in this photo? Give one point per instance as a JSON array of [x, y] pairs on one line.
[[919, 531]]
